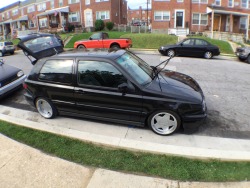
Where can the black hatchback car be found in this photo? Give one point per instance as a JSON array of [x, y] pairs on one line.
[[194, 47], [114, 86]]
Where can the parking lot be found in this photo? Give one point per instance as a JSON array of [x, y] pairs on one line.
[[225, 83]]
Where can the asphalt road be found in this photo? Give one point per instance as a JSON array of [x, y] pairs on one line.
[[225, 83]]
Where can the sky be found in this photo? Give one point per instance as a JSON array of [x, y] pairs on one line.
[[131, 3]]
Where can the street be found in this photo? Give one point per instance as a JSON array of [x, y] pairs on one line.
[[224, 81]]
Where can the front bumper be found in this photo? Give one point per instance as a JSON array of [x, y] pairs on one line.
[[193, 122], [241, 55], [12, 86]]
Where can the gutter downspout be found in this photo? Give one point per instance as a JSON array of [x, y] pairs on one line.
[[212, 25]]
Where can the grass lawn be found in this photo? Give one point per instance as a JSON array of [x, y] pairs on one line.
[[151, 40], [178, 168]]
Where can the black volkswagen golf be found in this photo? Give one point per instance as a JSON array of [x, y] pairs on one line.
[[113, 86]]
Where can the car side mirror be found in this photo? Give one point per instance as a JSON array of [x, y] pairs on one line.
[[123, 88], [90, 38], [181, 44]]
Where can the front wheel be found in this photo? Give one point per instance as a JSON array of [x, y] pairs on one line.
[[45, 108], [81, 47], [170, 53], [208, 55], [1, 54], [115, 47], [164, 122], [248, 59]]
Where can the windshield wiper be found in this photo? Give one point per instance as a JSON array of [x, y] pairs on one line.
[[156, 71]]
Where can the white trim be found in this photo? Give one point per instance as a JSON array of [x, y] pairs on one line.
[[183, 19]]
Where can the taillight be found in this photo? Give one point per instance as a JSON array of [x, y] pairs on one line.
[[25, 86]]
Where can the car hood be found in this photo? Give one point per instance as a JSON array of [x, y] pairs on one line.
[[177, 86], [7, 71], [40, 45]]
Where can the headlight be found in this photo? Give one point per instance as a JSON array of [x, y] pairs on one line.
[[203, 105], [20, 73]]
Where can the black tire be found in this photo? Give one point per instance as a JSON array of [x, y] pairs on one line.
[[81, 47], [115, 47], [45, 108], [12, 53], [156, 119], [248, 59], [170, 53], [1, 54]]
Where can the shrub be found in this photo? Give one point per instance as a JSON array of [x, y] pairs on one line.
[[109, 25], [99, 25]]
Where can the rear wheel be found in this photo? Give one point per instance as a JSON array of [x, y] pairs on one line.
[[45, 108], [171, 53], [81, 47], [241, 59], [164, 122], [115, 47], [208, 55]]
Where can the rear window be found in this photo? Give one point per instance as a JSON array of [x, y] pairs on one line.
[[57, 71], [8, 43]]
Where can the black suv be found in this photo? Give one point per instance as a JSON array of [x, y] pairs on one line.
[[113, 86]]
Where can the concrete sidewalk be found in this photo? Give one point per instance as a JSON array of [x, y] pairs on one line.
[[22, 166]]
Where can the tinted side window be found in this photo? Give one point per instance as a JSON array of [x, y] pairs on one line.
[[97, 73], [188, 42], [57, 71], [8, 43], [200, 42]]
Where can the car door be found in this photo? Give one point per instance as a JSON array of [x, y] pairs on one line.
[[95, 41], [200, 47], [186, 48], [97, 92]]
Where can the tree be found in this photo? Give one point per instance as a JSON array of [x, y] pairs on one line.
[[109, 25], [99, 25]]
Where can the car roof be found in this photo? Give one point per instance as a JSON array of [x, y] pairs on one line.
[[94, 53], [33, 35]]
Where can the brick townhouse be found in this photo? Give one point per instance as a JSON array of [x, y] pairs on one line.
[[56, 15], [139, 15], [215, 17]]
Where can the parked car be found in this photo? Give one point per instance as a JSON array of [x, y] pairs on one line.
[[243, 54], [6, 48], [114, 86], [11, 79], [102, 40], [195, 47]]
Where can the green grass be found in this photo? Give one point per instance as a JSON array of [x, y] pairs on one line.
[[87, 154]]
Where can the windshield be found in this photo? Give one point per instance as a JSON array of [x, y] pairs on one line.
[[136, 68]]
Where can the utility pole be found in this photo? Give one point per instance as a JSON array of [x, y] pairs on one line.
[[147, 12]]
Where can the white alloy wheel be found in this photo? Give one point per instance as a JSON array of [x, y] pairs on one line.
[[171, 53], [164, 122], [45, 108], [208, 55]]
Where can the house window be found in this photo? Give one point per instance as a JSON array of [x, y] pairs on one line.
[[52, 4], [31, 8], [243, 23], [41, 7], [31, 24], [103, 15], [2, 16], [87, 2], [14, 12], [100, 0], [43, 22], [199, 19], [60, 3], [73, 1], [74, 17], [180, 1], [217, 2], [161, 15], [230, 3], [200, 1], [244, 3]]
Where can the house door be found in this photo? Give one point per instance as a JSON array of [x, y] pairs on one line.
[[227, 23], [179, 19], [88, 18], [217, 20]]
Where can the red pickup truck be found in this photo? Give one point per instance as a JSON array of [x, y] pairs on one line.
[[101, 40]]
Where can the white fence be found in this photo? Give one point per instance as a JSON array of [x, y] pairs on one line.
[[133, 29]]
